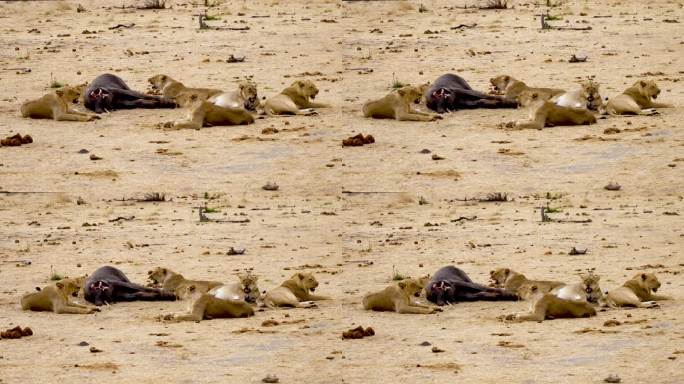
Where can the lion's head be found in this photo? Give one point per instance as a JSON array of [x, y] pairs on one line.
[[589, 91], [70, 286], [647, 281], [590, 285], [248, 91], [158, 275], [189, 99], [501, 82], [69, 94], [306, 281], [410, 287], [527, 98], [499, 276], [159, 81], [306, 88], [647, 88], [410, 93], [248, 283]]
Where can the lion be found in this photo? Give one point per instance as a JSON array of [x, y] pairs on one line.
[[169, 280], [587, 96], [245, 289], [587, 289], [550, 306], [294, 292], [397, 105], [637, 292], [55, 105], [636, 100], [294, 100], [55, 298], [206, 114], [173, 89], [398, 297], [517, 282], [244, 97], [206, 307], [544, 113], [511, 88]]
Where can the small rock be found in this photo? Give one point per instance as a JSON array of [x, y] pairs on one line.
[[95, 157], [612, 186], [83, 344], [270, 186], [612, 379], [83, 151], [425, 344], [425, 151], [270, 379], [95, 350], [437, 157], [437, 350]]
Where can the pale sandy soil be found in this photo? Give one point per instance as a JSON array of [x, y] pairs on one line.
[[310, 224]]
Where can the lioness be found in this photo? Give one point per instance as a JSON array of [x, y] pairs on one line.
[[517, 282], [635, 99], [587, 289], [56, 105], [245, 289], [206, 114], [397, 105], [294, 292], [636, 292], [169, 280], [244, 97], [544, 113], [294, 100], [172, 89], [205, 306], [55, 298], [550, 306], [587, 96], [398, 297], [511, 88]]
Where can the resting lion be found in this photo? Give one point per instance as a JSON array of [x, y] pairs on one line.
[[398, 105], [517, 282], [205, 306], [294, 292], [511, 88], [294, 100], [545, 113], [636, 100], [206, 114], [587, 96], [169, 280], [398, 297], [550, 306], [637, 292], [245, 289], [244, 97], [587, 289], [56, 105], [173, 89], [55, 298]]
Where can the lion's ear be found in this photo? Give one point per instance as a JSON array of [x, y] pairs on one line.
[[507, 270], [192, 288], [642, 83], [402, 284], [60, 285], [60, 92], [300, 83], [401, 92], [300, 276], [643, 276]]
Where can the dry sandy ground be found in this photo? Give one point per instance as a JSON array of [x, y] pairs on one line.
[[351, 242]]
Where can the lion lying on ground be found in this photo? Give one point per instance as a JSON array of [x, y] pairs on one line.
[[294, 292], [550, 306], [55, 298], [244, 97], [206, 307], [398, 105], [637, 292], [399, 297], [56, 105], [245, 289], [517, 282], [587, 96], [206, 114], [294, 100], [636, 100], [587, 289], [545, 113], [169, 280], [511, 88], [173, 89]]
